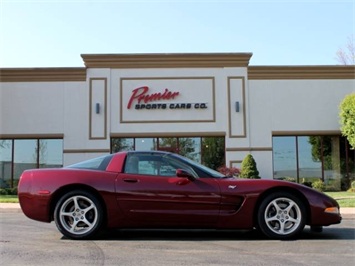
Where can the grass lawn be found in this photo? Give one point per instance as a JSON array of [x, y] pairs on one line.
[[345, 199], [8, 199]]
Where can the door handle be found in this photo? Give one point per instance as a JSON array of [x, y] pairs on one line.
[[130, 180]]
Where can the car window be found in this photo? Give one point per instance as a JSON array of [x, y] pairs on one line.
[[202, 170], [153, 164], [99, 163]]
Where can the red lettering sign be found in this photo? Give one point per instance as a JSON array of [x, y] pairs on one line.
[[141, 95]]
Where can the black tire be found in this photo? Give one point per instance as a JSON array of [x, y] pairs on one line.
[[281, 215], [79, 215]]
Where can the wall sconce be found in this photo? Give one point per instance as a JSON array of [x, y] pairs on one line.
[[97, 108], [237, 107]]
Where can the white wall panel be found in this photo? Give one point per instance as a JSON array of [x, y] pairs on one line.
[[237, 107], [98, 108], [32, 108]]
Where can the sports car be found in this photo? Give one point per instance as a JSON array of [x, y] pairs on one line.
[[155, 189]]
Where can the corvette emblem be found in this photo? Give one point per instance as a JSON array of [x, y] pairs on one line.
[[232, 187]]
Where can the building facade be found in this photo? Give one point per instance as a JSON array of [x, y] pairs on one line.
[[212, 108]]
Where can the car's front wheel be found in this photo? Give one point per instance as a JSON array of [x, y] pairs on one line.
[[78, 215], [281, 215]]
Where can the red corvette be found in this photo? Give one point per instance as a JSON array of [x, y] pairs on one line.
[[165, 190]]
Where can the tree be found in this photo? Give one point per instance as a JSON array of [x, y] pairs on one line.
[[186, 147], [213, 153], [41, 151], [121, 144], [322, 150], [4, 143], [249, 168], [347, 118], [346, 56]]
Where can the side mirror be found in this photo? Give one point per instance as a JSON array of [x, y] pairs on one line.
[[185, 174]]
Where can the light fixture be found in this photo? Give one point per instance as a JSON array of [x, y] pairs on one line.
[[237, 107]]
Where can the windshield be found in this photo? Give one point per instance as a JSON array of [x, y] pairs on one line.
[[99, 163], [208, 171]]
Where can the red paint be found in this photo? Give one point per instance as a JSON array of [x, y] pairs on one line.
[[141, 95], [149, 201]]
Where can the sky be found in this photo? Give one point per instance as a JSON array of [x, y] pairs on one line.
[[53, 33]]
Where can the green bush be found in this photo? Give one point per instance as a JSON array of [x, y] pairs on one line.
[[249, 169], [345, 184], [352, 188], [3, 191], [307, 183], [290, 179], [318, 185], [8, 191], [12, 191]]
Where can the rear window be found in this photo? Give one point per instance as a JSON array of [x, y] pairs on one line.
[[99, 163]]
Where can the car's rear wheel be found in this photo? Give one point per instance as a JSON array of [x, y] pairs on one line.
[[78, 215], [281, 215]]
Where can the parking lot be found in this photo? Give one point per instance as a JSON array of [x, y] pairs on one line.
[[27, 242]]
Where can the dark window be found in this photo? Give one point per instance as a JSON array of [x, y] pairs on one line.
[[308, 158], [17, 155]]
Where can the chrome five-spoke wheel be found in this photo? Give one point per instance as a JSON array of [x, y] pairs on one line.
[[78, 215], [281, 215]]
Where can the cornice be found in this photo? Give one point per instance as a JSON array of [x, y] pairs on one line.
[[301, 72], [32, 136], [167, 134], [166, 60], [307, 133], [42, 74]]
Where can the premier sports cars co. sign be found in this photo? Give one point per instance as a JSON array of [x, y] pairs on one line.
[[167, 100], [142, 99]]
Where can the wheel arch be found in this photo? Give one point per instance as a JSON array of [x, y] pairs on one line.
[[65, 189], [293, 191]]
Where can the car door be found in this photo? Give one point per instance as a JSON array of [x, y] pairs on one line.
[[151, 195]]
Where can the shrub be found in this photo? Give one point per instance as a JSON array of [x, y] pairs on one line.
[[290, 179], [333, 185], [8, 191], [3, 191], [249, 169], [318, 185], [229, 171], [12, 191], [352, 188], [307, 183]]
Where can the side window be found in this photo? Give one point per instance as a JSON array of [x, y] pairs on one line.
[[149, 167], [143, 164], [167, 169], [170, 165], [153, 164]]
